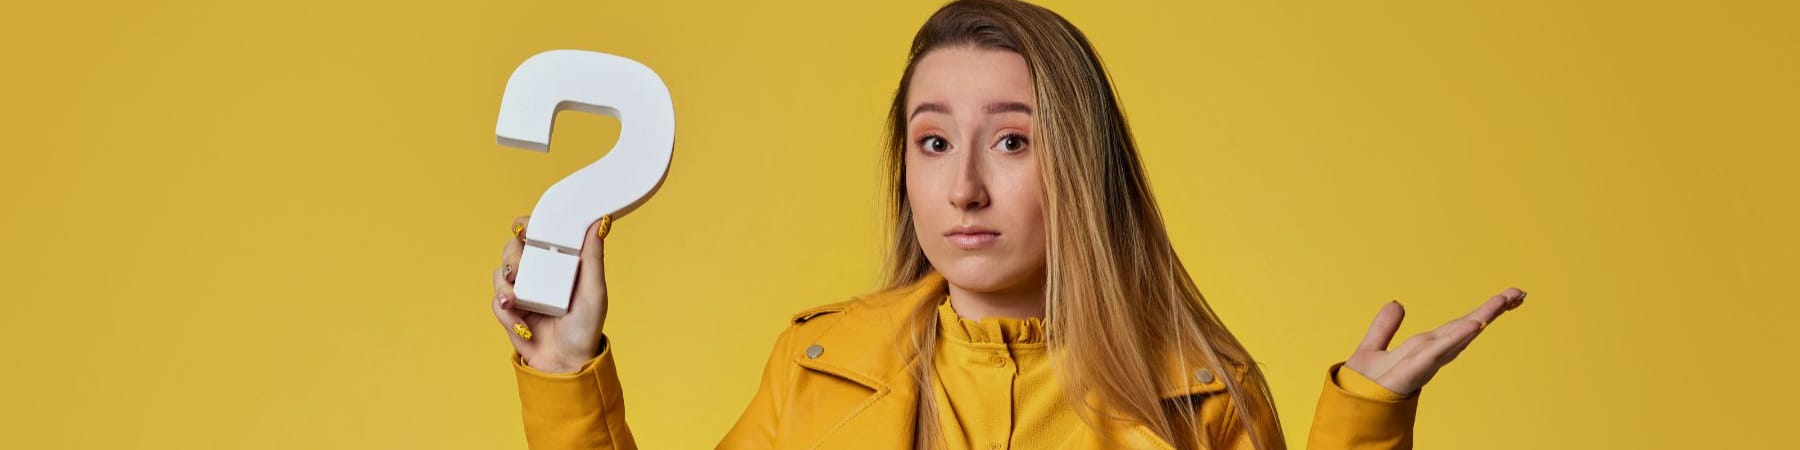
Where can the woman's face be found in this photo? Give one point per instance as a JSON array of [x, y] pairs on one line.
[[971, 171]]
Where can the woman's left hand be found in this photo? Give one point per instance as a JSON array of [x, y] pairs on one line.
[[1407, 368]]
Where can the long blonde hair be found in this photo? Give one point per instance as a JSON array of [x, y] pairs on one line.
[[1119, 305]]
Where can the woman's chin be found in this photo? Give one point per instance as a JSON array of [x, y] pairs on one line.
[[975, 275]]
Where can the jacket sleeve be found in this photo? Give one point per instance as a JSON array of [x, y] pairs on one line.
[[1355, 413], [757, 427], [581, 410]]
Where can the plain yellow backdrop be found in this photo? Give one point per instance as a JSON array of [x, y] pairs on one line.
[[271, 224]]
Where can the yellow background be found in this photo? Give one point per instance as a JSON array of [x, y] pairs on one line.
[[271, 224]]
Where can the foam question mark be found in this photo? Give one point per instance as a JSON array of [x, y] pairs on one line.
[[616, 184]]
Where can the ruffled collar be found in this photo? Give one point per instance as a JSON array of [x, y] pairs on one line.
[[995, 330]]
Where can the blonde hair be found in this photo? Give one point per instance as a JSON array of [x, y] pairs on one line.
[[1119, 305]]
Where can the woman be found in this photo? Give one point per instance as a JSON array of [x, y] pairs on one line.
[[1033, 297]]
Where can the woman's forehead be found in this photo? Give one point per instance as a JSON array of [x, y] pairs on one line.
[[968, 79]]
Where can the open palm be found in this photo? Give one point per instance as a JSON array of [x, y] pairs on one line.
[[1406, 368]]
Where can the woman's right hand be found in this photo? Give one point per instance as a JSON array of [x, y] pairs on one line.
[[558, 344]]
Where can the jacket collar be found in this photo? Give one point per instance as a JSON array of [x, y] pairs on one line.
[[871, 344]]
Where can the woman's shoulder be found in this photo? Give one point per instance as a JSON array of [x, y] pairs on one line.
[[883, 301], [808, 314], [873, 309], [855, 307]]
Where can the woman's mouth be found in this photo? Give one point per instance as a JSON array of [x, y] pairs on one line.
[[971, 237]]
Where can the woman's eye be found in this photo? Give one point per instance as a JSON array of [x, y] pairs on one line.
[[1011, 143], [934, 144]]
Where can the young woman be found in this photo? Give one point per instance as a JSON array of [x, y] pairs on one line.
[[1033, 298]]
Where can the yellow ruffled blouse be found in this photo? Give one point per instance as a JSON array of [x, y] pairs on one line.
[[995, 385]]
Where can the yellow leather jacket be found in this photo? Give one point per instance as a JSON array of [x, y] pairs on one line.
[[838, 378]]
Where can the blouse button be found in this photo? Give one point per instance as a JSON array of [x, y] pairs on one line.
[[813, 351]]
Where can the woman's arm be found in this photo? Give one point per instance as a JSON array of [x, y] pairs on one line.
[[568, 387], [584, 409], [569, 392], [1354, 413], [1370, 400]]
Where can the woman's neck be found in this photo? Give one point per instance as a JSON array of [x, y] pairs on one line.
[[1017, 303]]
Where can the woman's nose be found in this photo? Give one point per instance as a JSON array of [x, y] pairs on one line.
[[969, 190]]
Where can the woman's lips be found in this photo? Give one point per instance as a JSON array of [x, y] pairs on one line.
[[972, 238], [973, 241]]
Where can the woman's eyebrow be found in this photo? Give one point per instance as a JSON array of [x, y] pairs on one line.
[[991, 108], [927, 107], [1007, 107]]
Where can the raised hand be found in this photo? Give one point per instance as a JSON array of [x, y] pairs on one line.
[[556, 344], [1407, 368]]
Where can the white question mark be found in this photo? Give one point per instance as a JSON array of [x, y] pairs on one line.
[[616, 184]]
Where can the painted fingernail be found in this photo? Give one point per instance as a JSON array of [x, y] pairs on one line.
[[604, 228]]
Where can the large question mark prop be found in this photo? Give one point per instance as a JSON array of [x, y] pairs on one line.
[[615, 184]]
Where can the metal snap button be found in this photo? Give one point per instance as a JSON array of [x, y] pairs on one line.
[[813, 351]]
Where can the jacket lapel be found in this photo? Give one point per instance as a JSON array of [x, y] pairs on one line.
[[871, 345]]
